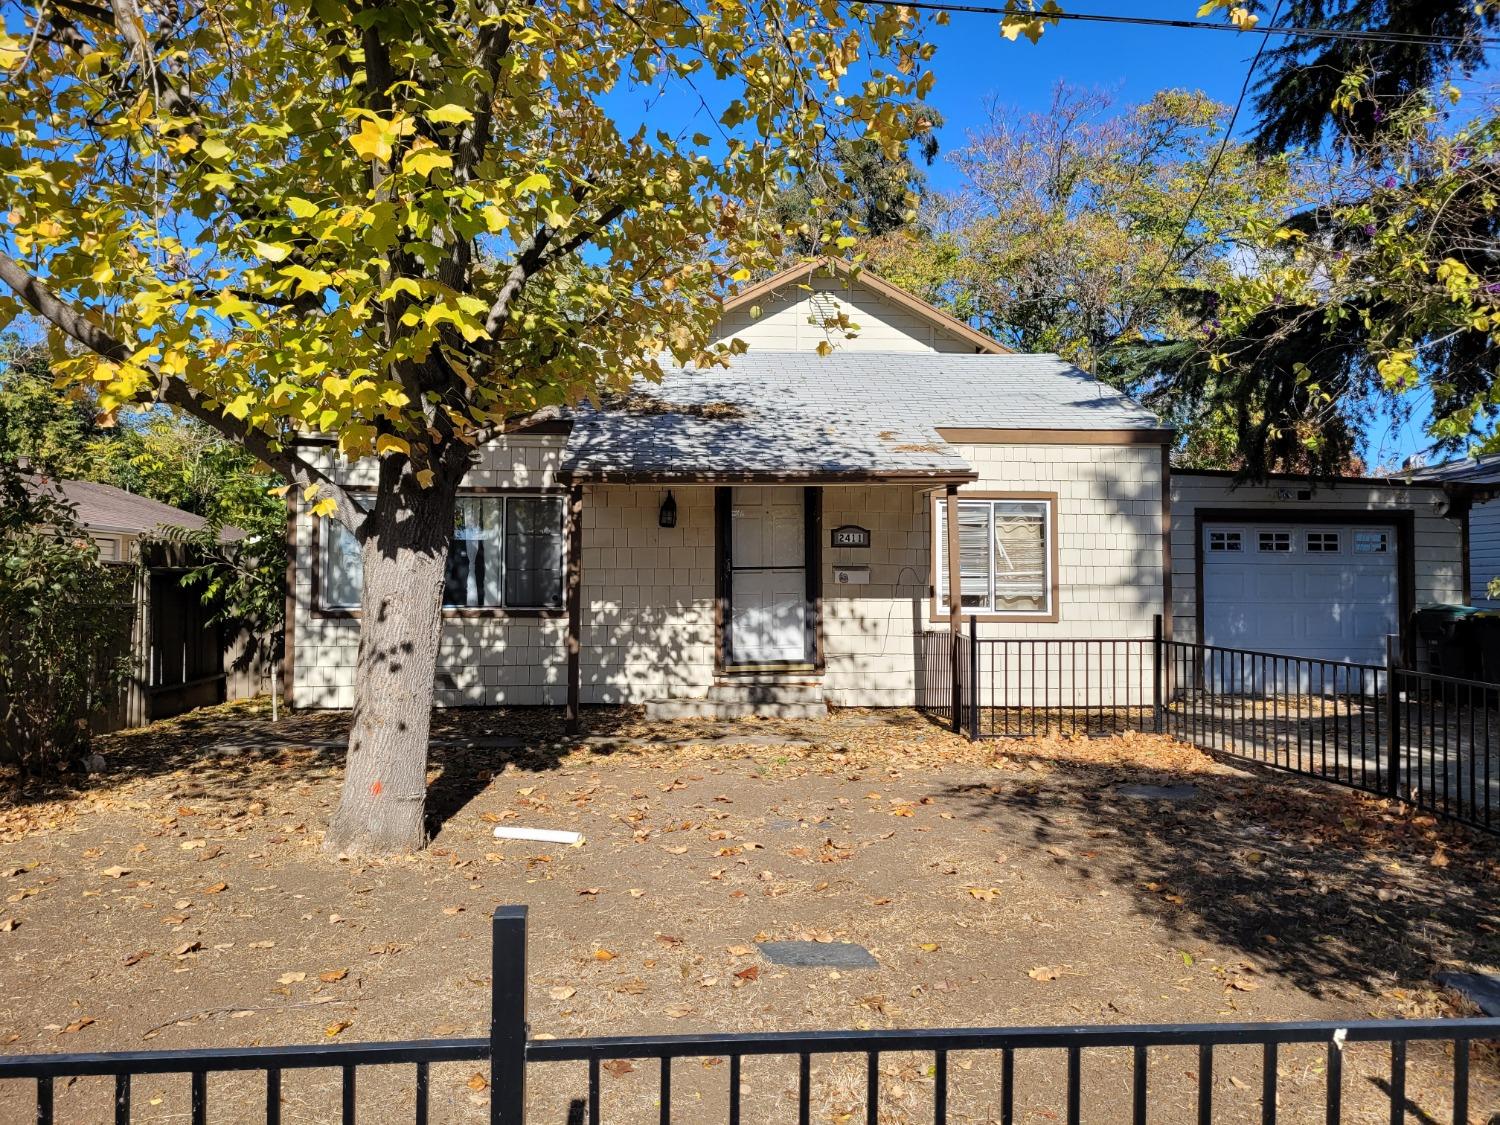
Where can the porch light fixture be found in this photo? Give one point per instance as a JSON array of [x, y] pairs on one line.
[[667, 517]]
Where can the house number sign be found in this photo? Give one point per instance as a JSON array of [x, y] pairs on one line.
[[851, 535]]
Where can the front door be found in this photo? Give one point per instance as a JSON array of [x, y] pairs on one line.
[[766, 577]]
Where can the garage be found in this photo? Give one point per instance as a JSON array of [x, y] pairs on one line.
[[1330, 591]]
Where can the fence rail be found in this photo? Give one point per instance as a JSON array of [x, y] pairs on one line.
[[1430, 740], [511, 1054]]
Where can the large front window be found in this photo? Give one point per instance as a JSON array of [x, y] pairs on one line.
[[1004, 556], [507, 553]]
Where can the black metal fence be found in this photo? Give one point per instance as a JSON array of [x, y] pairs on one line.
[[1115, 1059], [1430, 740]]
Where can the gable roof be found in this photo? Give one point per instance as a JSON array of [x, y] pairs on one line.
[[103, 507], [894, 293], [844, 417]]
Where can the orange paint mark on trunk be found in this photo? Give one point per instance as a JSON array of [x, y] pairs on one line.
[[376, 788]]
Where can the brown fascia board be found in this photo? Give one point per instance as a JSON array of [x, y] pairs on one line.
[[885, 288], [993, 435]]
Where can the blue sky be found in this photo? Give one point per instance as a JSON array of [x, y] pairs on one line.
[[976, 66]]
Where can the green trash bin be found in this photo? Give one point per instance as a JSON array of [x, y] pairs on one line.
[[1452, 648]]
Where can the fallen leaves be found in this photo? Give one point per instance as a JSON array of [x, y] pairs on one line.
[[337, 1027], [114, 872], [77, 1025], [477, 1082], [136, 957], [187, 948], [605, 955], [333, 976], [748, 973], [1045, 973], [217, 888], [562, 993]]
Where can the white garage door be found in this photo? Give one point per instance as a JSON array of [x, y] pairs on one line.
[[1325, 591]]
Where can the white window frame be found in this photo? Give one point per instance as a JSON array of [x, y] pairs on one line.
[[1320, 536], [329, 529], [1227, 535], [1372, 541], [1048, 504], [1287, 537]]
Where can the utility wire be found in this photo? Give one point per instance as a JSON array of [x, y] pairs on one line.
[[1288, 31], [1213, 165]]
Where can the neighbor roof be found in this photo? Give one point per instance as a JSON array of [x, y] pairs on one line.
[[1467, 470], [877, 284], [847, 416], [103, 507]]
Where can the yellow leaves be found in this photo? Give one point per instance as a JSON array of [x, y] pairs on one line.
[[301, 208], [425, 477], [272, 251], [216, 149], [423, 162], [1398, 369], [1024, 17], [449, 115], [325, 507], [12, 51], [377, 136], [390, 443], [307, 280]]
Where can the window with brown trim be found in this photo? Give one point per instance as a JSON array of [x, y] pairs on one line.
[[1005, 556], [507, 553]]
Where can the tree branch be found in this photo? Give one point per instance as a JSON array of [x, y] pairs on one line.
[[176, 393]]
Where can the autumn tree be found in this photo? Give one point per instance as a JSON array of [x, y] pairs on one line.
[[411, 225], [1081, 230]]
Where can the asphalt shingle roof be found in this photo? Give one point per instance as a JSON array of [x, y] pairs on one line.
[[103, 507], [844, 415]]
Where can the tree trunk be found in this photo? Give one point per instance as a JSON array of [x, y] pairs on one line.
[[382, 808]]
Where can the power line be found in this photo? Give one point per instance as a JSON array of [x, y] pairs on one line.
[[1287, 31]]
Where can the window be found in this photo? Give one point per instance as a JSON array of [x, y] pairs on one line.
[[1004, 556], [1276, 542], [1322, 542], [1225, 541], [1372, 542], [507, 553]]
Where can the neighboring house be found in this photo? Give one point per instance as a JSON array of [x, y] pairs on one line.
[[777, 530], [1475, 483], [180, 659]]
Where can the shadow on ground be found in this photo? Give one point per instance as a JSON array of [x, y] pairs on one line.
[[1333, 890]]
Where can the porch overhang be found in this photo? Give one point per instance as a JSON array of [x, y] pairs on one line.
[[834, 477]]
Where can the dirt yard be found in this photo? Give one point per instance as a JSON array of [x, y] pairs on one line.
[[180, 900]]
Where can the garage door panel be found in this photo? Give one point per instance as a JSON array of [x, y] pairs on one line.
[[1274, 584], [1229, 584], [1323, 605]]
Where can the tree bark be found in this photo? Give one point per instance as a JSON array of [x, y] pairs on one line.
[[382, 807]]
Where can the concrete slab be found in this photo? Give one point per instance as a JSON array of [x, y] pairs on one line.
[[819, 955], [1159, 792], [1480, 989]]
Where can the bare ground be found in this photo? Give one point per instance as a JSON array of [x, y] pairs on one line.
[[180, 900]]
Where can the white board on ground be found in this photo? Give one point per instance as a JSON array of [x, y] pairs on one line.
[[541, 835]]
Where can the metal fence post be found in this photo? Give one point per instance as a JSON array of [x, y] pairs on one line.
[[1392, 717], [973, 678], [1157, 644], [508, 1028]]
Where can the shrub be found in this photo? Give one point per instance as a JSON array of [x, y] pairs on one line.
[[64, 627]]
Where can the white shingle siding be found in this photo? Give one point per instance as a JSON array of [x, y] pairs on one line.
[[1437, 541], [648, 592], [884, 326]]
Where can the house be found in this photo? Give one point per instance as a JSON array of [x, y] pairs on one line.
[[180, 658], [777, 532], [1474, 483]]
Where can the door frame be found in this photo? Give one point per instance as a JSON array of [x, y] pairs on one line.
[[812, 547], [1403, 521]]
